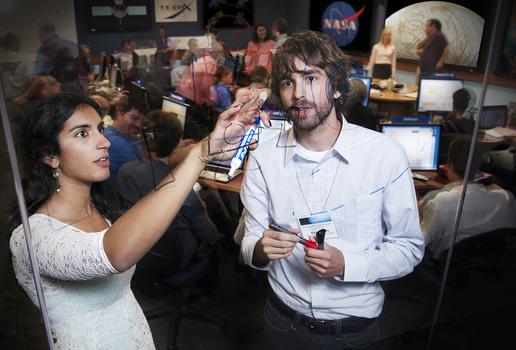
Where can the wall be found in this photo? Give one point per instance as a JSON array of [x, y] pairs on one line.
[[265, 12]]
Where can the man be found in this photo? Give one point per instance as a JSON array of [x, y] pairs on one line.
[[55, 52], [433, 50], [485, 209], [455, 121], [279, 31], [125, 146], [354, 182]]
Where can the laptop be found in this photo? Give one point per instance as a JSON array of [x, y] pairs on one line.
[[218, 171]]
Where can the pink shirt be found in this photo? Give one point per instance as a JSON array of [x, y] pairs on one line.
[[259, 55]]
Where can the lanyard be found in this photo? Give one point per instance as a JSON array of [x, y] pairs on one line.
[[329, 192]]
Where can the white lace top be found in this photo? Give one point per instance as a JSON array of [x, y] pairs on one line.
[[90, 305]]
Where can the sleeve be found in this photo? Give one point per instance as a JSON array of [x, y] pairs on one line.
[[402, 246], [255, 199], [432, 227], [372, 60], [64, 253], [393, 62], [200, 225]]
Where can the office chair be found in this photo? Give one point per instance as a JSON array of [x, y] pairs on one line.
[[152, 283], [492, 252]]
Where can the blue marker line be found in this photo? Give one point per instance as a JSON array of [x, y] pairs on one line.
[[378, 190], [400, 175]]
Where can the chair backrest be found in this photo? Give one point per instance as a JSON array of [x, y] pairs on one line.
[[487, 251]]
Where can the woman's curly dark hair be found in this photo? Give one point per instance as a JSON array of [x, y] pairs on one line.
[[318, 50], [39, 140]]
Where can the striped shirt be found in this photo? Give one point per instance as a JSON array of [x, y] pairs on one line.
[[365, 183]]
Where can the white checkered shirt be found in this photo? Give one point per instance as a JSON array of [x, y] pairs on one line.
[[372, 203]]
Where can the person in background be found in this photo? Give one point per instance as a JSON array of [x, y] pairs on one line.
[[83, 64], [125, 146], [432, 51], [42, 86], [257, 80], [382, 63], [357, 113], [161, 42], [455, 121], [54, 50], [191, 233], [219, 93], [485, 209], [217, 51], [279, 32], [354, 182], [258, 52]]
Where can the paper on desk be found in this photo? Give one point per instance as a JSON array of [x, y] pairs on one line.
[[501, 132], [411, 94]]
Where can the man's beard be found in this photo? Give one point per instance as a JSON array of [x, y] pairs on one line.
[[301, 118]]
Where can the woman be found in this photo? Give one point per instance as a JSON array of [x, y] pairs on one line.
[[258, 51], [85, 262], [382, 62]]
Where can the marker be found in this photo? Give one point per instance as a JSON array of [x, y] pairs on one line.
[[238, 158], [307, 243]]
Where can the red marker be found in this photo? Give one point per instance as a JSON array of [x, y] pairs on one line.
[[307, 243]]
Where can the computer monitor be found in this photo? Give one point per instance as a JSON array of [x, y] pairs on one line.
[[436, 94], [493, 116], [144, 57], [367, 82], [421, 143], [137, 93], [174, 106]]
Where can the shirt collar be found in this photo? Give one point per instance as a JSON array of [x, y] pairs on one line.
[[342, 145]]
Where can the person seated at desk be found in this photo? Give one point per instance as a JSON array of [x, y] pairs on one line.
[[219, 93], [191, 230], [125, 146], [357, 113], [455, 121], [382, 63], [484, 209]]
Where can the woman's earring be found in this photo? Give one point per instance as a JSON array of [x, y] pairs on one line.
[[55, 175]]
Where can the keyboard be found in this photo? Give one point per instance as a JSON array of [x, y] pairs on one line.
[[217, 173]]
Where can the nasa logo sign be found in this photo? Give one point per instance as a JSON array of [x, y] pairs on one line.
[[340, 22]]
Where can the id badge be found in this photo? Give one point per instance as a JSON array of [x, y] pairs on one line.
[[311, 224]]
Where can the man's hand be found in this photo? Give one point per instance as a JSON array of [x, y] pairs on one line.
[[273, 245], [325, 263]]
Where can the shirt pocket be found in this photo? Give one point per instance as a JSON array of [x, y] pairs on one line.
[[359, 220]]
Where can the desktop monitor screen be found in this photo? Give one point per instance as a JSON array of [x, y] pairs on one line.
[[493, 116], [436, 94], [179, 108], [144, 57], [367, 82], [421, 143], [137, 92]]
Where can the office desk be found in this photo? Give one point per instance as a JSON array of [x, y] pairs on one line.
[[434, 183], [393, 103], [232, 186]]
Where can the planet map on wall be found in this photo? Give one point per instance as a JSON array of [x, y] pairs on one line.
[[462, 27]]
